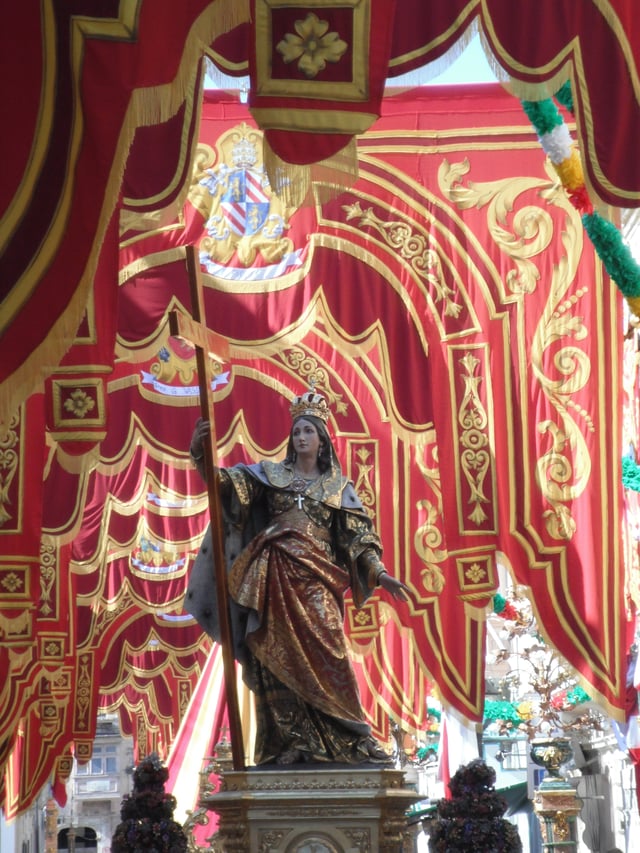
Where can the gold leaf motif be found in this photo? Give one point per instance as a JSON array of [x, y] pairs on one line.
[[426, 542], [83, 693], [475, 573], [184, 698], [307, 367], [8, 466], [11, 582], [427, 539], [362, 618], [413, 248], [312, 45], [363, 485], [473, 421], [531, 226], [49, 721], [79, 404], [464, 197], [562, 471], [47, 576]]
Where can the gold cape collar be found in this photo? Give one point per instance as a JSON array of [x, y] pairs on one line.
[[327, 488]]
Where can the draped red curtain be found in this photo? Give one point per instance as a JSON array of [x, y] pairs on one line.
[[464, 333], [86, 84]]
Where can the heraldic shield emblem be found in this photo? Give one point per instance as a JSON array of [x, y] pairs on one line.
[[246, 223]]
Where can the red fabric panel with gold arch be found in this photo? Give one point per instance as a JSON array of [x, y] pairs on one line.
[[462, 329], [466, 338], [86, 84]]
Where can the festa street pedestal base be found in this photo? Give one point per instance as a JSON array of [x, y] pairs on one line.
[[557, 807], [297, 810], [556, 803]]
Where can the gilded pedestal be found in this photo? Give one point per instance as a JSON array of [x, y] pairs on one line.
[[350, 810], [556, 803], [557, 810]]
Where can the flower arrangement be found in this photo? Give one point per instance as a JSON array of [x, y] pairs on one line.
[[147, 814], [473, 819], [551, 702]]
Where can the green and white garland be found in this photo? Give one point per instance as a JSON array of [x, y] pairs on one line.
[[557, 144]]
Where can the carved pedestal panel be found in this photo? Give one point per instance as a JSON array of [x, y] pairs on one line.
[[557, 807], [320, 810]]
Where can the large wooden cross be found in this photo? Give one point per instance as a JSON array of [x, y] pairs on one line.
[[194, 329]]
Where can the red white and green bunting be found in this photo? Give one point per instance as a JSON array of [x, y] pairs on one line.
[[564, 155]]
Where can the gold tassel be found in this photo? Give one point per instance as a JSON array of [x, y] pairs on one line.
[[316, 183]]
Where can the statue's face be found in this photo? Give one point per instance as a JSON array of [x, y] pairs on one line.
[[306, 441]]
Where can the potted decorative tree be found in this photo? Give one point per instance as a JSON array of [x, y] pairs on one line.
[[147, 822], [472, 819]]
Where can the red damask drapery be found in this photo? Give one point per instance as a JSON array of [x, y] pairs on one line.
[[537, 46], [83, 80], [473, 322], [466, 338]]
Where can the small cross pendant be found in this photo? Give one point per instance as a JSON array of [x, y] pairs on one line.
[[299, 498]]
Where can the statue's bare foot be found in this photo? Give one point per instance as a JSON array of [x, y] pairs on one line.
[[289, 756]]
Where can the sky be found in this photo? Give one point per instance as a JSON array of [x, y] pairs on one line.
[[470, 67]]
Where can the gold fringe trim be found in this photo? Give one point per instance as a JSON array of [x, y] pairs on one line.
[[427, 73], [81, 463], [293, 184], [149, 106], [467, 30], [157, 259], [540, 91], [219, 80]]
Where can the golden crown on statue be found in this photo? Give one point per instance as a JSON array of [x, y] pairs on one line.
[[311, 404]]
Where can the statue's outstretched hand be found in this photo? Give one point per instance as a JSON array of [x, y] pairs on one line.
[[394, 587]]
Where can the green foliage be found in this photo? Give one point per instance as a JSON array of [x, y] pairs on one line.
[[630, 474], [496, 710], [564, 96]]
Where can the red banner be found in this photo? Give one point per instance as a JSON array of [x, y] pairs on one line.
[[466, 339], [438, 303], [126, 84], [317, 73]]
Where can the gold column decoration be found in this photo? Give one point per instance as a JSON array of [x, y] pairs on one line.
[[51, 826], [555, 803]]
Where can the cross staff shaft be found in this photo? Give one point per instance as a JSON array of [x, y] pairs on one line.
[[194, 330]]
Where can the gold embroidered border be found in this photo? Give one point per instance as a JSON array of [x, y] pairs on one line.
[[356, 89], [91, 391], [14, 582], [51, 648], [476, 574], [473, 438], [363, 623]]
